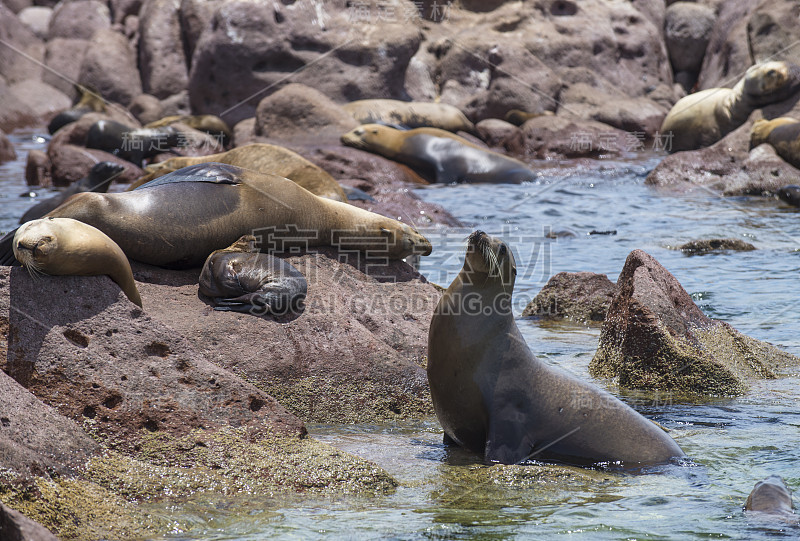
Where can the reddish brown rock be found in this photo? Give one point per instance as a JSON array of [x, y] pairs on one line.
[[37, 169], [196, 16], [494, 131], [579, 296], [162, 62], [728, 52], [41, 98], [18, 45], [64, 57], [705, 246], [13, 112], [549, 137], [7, 152], [655, 337], [146, 108], [79, 19], [772, 31], [687, 29], [121, 9], [71, 163], [109, 67], [14, 526]]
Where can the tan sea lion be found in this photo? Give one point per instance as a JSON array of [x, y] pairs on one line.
[[241, 279], [177, 220], [771, 498], [211, 124], [263, 158], [414, 114], [703, 118], [66, 247], [783, 134], [438, 154], [494, 397]]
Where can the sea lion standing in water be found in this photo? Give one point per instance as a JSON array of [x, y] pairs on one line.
[[66, 247], [494, 397], [439, 155], [703, 118], [241, 279]]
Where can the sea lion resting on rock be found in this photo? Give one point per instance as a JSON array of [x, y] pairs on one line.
[[211, 124], [90, 102], [703, 118], [179, 219], [783, 134], [494, 397], [771, 498], [62, 246], [263, 158], [134, 145], [241, 279], [413, 114], [439, 154], [98, 180]]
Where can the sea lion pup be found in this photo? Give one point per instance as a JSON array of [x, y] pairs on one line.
[[771, 497], [414, 114], [263, 158], [176, 220], [703, 118], [211, 124], [66, 247], [90, 102], [494, 397], [98, 180], [241, 279], [783, 134], [134, 145], [438, 154]]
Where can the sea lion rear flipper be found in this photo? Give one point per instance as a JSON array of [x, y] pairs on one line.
[[216, 173], [7, 249]]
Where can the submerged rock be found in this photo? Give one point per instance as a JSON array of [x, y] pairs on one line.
[[715, 245], [580, 296], [655, 337]]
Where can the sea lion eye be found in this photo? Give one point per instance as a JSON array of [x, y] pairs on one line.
[[374, 131]]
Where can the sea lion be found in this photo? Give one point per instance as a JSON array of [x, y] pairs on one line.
[[177, 220], [211, 124], [413, 114], [703, 118], [790, 194], [494, 397], [98, 180], [438, 154], [90, 102], [134, 145], [62, 246], [771, 497], [241, 279], [783, 134], [263, 158]]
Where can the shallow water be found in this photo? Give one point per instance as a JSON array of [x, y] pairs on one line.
[[449, 495]]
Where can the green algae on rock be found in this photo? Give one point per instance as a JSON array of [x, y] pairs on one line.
[[655, 337]]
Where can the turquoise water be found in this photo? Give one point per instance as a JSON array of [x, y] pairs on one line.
[[450, 495]]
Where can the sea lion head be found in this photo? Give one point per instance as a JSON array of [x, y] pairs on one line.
[[489, 259], [384, 237], [35, 242], [771, 81], [770, 496], [377, 138]]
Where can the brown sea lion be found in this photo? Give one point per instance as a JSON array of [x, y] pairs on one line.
[[771, 498], [211, 124], [494, 397], [783, 134], [179, 219], [241, 279], [703, 118], [439, 155], [518, 117], [62, 246], [414, 114], [263, 158]]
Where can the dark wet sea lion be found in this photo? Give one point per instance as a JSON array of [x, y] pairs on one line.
[[494, 397], [439, 154], [790, 194], [241, 279], [772, 498], [211, 124], [179, 219], [90, 102], [98, 180], [132, 144], [62, 246]]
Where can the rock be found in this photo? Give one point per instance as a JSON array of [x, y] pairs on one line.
[[579, 296], [494, 131], [13, 112], [14, 526], [251, 48], [243, 132], [699, 247], [64, 57], [71, 163], [687, 29], [37, 169], [92, 354], [196, 16], [655, 337], [419, 83], [18, 45], [549, 137], [77, 132], [300, 112], [121, 9], [79, 19], [110, 67], [7, 152], [728, 52], [177, 104], [41, 98], [146, 108], [162, 62], [17, 5], [37, 18], [772, 30]]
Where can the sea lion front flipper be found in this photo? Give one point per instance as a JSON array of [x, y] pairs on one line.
[[507, 439], [7, 249], [216, 173]]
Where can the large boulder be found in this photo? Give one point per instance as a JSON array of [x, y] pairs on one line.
[[655, 337], [583, 297], [64, 57], [773, 29], [14, 526], [250, 49], [196, 17], [14, 113], [109, 67], [728, 52], [79, 19], [21, 52], [70, 163], [162, 62], [41, 98], [687, 29], [37, 18], [549, 137]]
